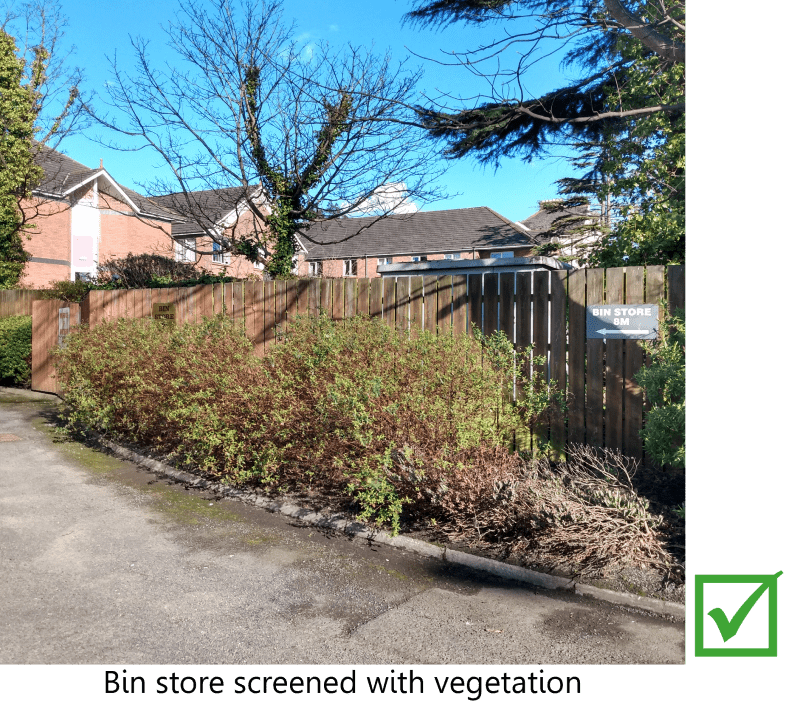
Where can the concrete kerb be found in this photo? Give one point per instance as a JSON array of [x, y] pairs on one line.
[[359, 530]]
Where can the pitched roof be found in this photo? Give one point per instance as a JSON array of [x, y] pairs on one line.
[[203, 208], [420, 233], [63, 174], [545, 223]]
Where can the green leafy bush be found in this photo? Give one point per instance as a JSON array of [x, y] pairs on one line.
[[407, 425], [326, 406], [71, 290], [664, 383], [15, 351]]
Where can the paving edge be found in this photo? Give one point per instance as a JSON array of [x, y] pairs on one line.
[[359, 530]]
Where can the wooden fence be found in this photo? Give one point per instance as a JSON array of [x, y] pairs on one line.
[[546, 308], [18, 302]]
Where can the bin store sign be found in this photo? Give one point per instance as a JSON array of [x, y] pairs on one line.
[[622, 321]]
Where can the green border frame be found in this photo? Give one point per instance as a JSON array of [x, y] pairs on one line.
[[699, 621]]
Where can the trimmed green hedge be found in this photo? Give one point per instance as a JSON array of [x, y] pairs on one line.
[[15, 351]]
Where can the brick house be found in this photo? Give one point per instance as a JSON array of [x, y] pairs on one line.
[[568, 233], [83, 216], [225, 210], [354, 247]]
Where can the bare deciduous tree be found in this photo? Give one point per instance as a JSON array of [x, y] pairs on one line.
[[288, 133]]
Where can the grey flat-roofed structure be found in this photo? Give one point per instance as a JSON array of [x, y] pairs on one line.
[[473, 267]]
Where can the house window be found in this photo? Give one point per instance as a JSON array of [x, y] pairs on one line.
[[384, 261], [185, 250], [217, 256], [350, 267], [502, 254], [315, 268], [419, 259], [452, 256]]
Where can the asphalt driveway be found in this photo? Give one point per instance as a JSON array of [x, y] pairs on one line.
[[104, 562]]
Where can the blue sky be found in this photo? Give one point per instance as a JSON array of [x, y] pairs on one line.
[[99, 29]]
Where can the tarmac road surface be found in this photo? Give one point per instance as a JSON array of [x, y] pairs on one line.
[[102, 562]]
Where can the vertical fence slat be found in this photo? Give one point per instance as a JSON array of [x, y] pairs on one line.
[[350, 297], [490, 300], [634, 355], [524, 308], [506, 316], [594, 365], [292, 300], [576, 356], [558, 349], [444, 304], [362, 294], [326, 297], [654, 285], [539, 332], [258, 317], [475, 303], [389, 287], [280, 308], [302, 286], [416, 318], [193, 302], [206, 302], [269, 312], [653, 294], [431, 302], [376, 298], [401, 304], [313, 297], [676, 287], [338, 299], [460, 304], [248, 290], [615, 286]]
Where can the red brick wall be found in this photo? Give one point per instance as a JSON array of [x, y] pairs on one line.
[[49, 239], [120, 233]]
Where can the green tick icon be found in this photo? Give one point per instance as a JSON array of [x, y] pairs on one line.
[[729, 628]]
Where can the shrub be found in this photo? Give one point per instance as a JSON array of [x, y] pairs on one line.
[[664, 383], [71, 290], [402, 423], [15, 351], [145, 269], [326, 406], [583, 515]]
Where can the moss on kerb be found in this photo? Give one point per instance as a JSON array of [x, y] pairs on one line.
[[7, 397], [177, 503], [93, 460]]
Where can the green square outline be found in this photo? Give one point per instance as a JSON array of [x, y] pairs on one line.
[[699, 620]]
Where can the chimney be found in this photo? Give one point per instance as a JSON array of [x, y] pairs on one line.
[[101, 164]]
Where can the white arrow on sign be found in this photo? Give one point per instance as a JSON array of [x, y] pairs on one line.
[[630, 332]]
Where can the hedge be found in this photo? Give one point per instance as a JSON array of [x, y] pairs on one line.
[[15, 351]]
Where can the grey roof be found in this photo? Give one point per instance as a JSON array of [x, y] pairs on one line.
[[544, 223], [419, 233], [202, 209], [62, 174]]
